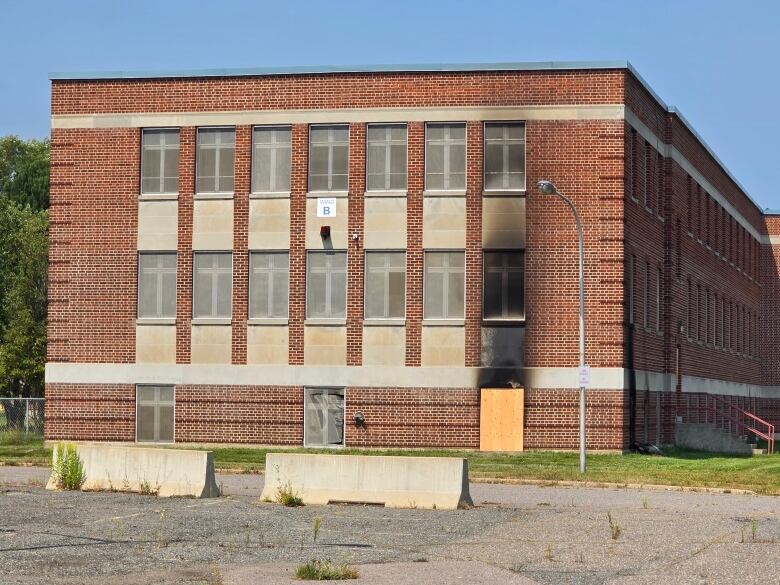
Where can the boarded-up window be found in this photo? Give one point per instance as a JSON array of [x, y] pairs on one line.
[[324, 417], [155, 414]]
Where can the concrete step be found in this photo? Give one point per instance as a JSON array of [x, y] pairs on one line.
[[759, 451]]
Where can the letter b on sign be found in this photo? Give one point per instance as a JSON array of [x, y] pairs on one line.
[[326, 207]]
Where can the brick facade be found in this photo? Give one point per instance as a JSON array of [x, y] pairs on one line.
[[664, 223]]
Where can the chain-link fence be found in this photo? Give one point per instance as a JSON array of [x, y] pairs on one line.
[[21, 415]]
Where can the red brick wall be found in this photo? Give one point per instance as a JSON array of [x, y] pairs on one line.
[[299, 184], [355, 253], [343, 90], [87, 412], [474, 179], [95, 177], [187, 140], [243, 167], [414, 254]]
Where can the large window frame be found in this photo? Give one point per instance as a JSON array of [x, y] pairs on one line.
[[329, 271], [222, 184], [159, 272], [385, 271], [272, 271], [505, 142], [505, 271], [156, 404], [387, 145], [274, 148], [330, 144], [309, 410], [447, 143], [215, 271], [166, 151], [444, 314]]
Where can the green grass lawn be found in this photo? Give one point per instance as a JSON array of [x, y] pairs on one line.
[[677, 467]]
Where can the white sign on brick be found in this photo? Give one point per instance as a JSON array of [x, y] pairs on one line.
[[584, 377], [326, 207]]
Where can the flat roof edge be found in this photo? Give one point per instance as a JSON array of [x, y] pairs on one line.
[[325, 69]]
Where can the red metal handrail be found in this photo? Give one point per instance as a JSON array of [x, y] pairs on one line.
[[725, 413]]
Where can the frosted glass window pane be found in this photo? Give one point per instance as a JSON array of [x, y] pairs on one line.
[[261, 180], [335, 427], [166, 393], [376, 158], [316, 302], [283, 166], [223, 294], [168, 308], [375, 295], [212, 276], [340, 160], [326, 285], [280, 295], [434, 295], [455, 294], [319, 160], [457, 131], [457, 259], [339, 295], [324, 417], [398, 159], [268, 285], [145, 423], [435, 131], [397, 295], [151, 163], [504, 156], [165, 421]]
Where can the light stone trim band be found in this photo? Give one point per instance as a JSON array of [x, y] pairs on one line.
[[385, 376], [670, 151], [236, 118]]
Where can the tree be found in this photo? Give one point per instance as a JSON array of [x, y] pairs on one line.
[[23, 272], [24, 171]]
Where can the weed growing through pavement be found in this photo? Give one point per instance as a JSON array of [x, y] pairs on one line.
[[548, 553], [644, 503], [68, 469], [162, 540], [287, 496], [321, 570], [615, 529], [147, 488], [317, 525], [753, 529]]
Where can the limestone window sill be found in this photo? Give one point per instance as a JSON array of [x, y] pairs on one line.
[[268, 321], [154, 321], [158, 196], [211, 321], [385, 194], [336, 194], [207, 196], [444, 193], [504, 193], [270, 195], [384, 322], [443, 322], [325, 322]]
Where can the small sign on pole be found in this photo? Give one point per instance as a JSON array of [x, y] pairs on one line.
[[326, 207], [584, 376]]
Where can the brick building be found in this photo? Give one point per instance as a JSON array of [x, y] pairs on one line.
[[263, 256]]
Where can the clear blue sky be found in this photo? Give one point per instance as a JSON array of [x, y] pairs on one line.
[[717, 61]]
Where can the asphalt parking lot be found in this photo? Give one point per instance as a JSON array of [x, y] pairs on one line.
[[515, 534]]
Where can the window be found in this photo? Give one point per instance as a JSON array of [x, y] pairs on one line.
[[268, 284], [658, 279], [646, 297], [444, 285], [723, 342], [678, 250], [160, 161], [659, 182], [644, 158], [445, 157], [271, 152], [690, 206], [698, 313], [504, 287], [631, 289], [324, 414], [216, 155], [706, 308], [212, 276], [385, 295], [157, 286], [386, 152], [504, 156], [328, 158], [630, 166], [154, 414], [326, 285]]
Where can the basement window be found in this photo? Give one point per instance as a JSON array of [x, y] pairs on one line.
[[154, 418], [324, 417]]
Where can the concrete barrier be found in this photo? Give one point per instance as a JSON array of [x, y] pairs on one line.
[[161, 471], [396, 482]]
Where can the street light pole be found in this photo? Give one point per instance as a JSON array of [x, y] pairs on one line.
[[548, 188]]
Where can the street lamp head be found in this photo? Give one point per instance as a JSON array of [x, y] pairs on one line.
[[547, 187]]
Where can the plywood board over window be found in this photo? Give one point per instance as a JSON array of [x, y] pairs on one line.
[[501, 419]]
